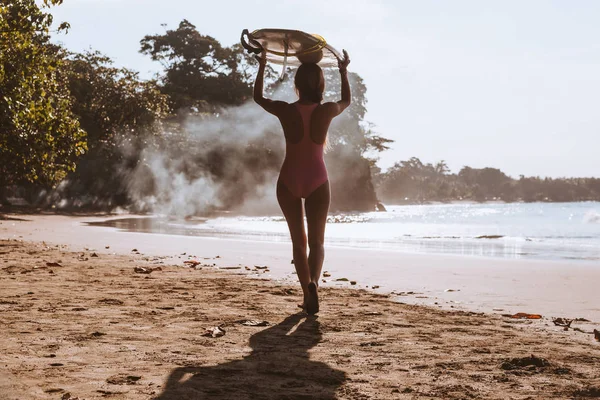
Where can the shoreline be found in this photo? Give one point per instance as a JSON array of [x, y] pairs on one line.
[[550, 288], [85, 323]]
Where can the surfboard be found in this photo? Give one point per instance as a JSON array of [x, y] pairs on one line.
[[290, 47]]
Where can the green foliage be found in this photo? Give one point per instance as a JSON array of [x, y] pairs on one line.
[[121, 114], [40, 139], [350, 128], [112, 101], [199, 71]]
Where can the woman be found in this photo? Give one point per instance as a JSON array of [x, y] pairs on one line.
[[303, 173]]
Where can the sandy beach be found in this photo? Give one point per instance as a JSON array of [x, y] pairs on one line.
[[84, 324], [492, 285]]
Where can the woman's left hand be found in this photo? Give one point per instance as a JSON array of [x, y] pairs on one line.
[[343, 63]]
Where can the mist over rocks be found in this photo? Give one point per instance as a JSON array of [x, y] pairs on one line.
[[216, 162]]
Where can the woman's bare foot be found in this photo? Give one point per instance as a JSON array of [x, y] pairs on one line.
[[311, 301]]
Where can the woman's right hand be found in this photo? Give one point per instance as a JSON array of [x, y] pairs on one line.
[[343, 63]]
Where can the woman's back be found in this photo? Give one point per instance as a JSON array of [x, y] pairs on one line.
[[303, 169]]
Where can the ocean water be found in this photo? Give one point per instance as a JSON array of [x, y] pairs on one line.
[[547, 231]]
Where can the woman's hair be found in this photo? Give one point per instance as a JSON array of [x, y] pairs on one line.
[[310, 82]]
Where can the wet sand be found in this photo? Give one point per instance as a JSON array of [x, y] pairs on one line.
[[553, 289], [85, 325]]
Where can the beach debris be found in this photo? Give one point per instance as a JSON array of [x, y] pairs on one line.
[[215, 332], [372, 344], [451, 290], [564, 322], [524, 316], [260, 267], [192, 263], [247, 268], [342, 280], [230, 267], [53, 264], [218, 257], [146, 270], [597, 335], [107, 247], [97, 334], [375, 287], [123, 379], [402, 293], [326, 274], [253, 322], [524, 362], [112, 302], [56, 364], [489, 237], [67, 396], [353, 282], [93, 255]]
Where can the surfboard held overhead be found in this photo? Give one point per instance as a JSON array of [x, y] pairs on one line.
[[291, 47]]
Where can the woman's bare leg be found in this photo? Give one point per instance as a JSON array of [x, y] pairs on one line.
[[317, 206], [294, 215]]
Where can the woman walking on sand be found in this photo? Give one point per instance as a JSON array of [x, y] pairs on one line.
[[303, 173]]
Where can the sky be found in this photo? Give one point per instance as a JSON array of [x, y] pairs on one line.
[[508, 84]]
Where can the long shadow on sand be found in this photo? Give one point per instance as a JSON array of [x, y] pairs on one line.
[[278, 368]]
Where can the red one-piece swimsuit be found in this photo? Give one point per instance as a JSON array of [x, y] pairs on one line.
[[303, 169]]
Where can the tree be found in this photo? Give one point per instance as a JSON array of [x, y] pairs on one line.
[[111, 102], [121, 115], [199, 71], [40, 138]]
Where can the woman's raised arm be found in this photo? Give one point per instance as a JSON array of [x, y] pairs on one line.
[[272, 106], [346, 95], [336, 108]]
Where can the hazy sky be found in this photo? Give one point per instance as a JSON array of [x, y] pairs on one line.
[[508, 84]]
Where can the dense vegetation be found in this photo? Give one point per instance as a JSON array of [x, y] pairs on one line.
[[77, 131], [92, 135], [414, 182], [40, 137]]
